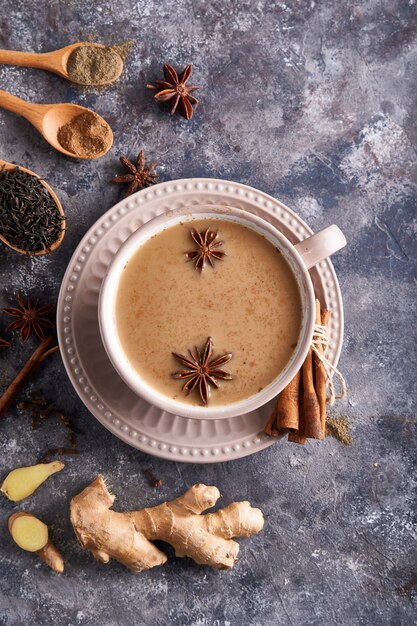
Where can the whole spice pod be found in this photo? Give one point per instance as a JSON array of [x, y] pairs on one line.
[[137, 176], [176, 90]]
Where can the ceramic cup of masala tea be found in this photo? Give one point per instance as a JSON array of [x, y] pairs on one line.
[[209, 311]]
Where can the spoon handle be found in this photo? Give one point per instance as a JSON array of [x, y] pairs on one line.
[[26, 59], [19, 106], [52, 61]]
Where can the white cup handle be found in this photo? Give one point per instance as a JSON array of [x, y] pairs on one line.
[[321, 245]]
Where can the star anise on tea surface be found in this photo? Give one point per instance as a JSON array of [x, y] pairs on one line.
[[175, 88], [138, 176], [202, 370], [207, 248], [29, 317]]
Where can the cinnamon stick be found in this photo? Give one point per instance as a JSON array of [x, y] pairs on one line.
[[322, 317], [48, 353], [25, 373], [312, 397], [301, 407], [298, 436], [311, 426], [285, 416]]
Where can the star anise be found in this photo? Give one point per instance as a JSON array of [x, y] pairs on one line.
[[4, 343], [202, 370], [207, 248], [29, 317], [138, 176], [175, 88]]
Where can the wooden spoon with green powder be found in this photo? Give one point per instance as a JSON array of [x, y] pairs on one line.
[[83, 63]]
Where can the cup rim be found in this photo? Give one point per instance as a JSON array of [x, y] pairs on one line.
[[107, 318]]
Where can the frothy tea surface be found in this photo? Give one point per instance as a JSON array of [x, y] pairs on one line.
[[248, 303]]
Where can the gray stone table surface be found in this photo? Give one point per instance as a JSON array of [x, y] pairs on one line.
[[314, 103]]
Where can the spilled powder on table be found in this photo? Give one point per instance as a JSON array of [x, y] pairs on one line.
[[339, 428], [123, 49]]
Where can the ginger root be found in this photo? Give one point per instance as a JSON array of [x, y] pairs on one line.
[[23, 481], [32, 535], [127, 537]]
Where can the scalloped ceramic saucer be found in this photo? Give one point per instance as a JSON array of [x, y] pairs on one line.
[[106, 396]]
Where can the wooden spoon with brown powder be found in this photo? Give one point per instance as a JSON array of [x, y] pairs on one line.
[[72, 129], [83, 63]]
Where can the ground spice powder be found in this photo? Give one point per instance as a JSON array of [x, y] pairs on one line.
[[338, 427], [93, 65], [86, 135], [123, 49]]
